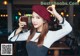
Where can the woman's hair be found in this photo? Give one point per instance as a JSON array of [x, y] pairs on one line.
[[41, 36], [42, 11]]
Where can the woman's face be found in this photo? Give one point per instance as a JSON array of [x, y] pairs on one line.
[[37, 21]]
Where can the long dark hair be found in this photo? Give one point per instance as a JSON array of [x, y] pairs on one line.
[[41, 36]]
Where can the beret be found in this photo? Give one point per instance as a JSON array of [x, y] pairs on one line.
[[41, 11]]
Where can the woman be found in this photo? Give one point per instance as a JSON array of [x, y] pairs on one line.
[[39, 38]]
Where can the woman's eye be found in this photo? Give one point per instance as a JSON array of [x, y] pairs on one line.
[[32, 17], [38, 17]]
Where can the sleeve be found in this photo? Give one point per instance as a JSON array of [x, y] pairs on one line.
[[19, 37], [66, 29]]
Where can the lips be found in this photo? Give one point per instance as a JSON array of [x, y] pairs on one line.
[[34, 24]]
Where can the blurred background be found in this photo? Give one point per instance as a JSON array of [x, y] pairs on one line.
[[11, 10]]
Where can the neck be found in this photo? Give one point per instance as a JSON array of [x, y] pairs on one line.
[[39, 29]]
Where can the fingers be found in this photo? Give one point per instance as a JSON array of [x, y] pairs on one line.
[[53, 6], [48, 7], [21, 24], [20, 19], [51, 9]]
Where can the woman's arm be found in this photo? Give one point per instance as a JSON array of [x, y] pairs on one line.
[[18, 37], [16, 34], [21, 25], [66, 27], [53, 11]]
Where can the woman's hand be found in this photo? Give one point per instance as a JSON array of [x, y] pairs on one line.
[[51, 9], [21, 23]]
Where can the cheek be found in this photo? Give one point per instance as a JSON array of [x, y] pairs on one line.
[[37, 21], [32, 21], [40, 22]]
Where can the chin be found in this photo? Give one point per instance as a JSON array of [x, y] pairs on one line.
[[35, 26]]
